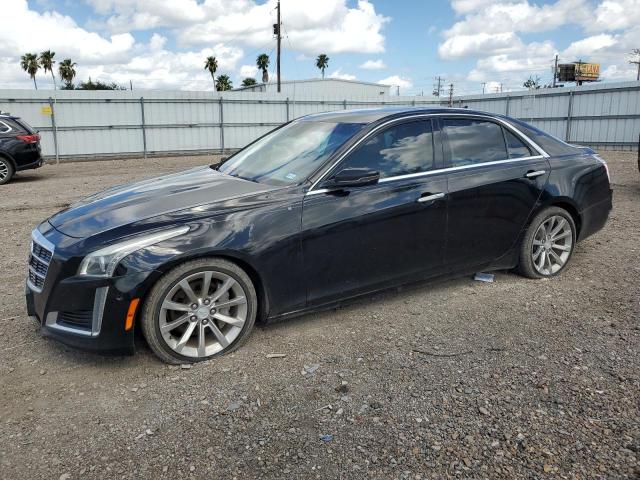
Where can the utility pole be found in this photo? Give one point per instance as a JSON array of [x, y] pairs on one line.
[[451, 94], [636, 51], [437, 88], [578, 70], [484, 84], [555, 71], [276, 30], [398, 90]]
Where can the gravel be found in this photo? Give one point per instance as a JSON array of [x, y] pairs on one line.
[[514, 378]]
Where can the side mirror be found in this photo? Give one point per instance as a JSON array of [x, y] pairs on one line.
[[353, 177]]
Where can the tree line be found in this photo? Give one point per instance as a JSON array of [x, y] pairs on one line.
[[32, 62], [223, 82]]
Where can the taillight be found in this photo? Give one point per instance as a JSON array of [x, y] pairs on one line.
[[35, 138]]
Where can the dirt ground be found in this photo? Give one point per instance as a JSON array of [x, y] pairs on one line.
[[511, 379]]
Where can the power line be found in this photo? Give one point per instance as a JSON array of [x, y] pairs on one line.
[[437, 88]]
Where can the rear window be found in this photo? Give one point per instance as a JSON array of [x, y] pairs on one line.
[[550, 144], [24, 125]]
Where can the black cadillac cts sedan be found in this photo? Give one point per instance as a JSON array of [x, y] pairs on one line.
[[321, 210]]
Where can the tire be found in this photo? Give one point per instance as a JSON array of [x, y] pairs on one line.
[[168, 304], [556, 250], [6, 171]]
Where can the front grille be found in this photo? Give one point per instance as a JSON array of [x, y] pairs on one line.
[[41, 252], [39, 266], [39, 261], [82, 319], [35, 280]]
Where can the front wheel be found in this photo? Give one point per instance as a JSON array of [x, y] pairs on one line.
[[200, 309], [548, 244]]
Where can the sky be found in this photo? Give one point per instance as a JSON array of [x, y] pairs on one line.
[[162, 44]]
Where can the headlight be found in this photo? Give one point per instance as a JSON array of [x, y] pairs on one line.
[[103, 262]]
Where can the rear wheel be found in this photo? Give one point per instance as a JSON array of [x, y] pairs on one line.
[[548, 244], [200, 309], [6, 171]]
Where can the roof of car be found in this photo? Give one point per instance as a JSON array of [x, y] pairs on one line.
[[369, 115]]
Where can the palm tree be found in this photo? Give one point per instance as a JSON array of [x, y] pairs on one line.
[[223, 83], [29, 63], [322, 62], [247, 82], [263, 64], [211, 64], [67, 72], [46, 62]]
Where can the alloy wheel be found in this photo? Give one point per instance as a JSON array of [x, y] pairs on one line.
[[203, 313], [4, 170], [552, 245]]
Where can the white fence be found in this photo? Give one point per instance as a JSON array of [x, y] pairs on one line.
[[141, 123]]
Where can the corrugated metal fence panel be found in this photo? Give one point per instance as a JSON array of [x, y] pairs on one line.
[[111, 122]]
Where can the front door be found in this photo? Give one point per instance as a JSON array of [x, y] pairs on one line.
[[495, 180], [364, 238]]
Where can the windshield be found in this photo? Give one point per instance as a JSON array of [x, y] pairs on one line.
[[290, 154]]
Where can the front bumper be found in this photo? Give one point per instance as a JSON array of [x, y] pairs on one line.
[[83, 312], [84, 316]]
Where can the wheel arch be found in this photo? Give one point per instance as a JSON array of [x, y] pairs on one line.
[[6, 156], [570, 206], [241, 260]]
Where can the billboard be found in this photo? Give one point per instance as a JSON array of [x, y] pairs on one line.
[[578, 72], [587, 72]]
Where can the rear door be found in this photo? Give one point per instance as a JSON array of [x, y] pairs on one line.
[[364, 238], [495, 180]]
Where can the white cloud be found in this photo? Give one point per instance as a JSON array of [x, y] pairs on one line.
[[342, 76], [115, 59], [616, 15], [60, 33], [478, 43], [248, 71], [590, 45], [619, 72], [329, 26], [494, 31], [397, 81], [373, 65]]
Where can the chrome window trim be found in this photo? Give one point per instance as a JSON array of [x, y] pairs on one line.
[[542, 153], [440, 170], [8, 127]]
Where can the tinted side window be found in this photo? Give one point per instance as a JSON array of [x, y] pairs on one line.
[[4, 127], [399, 150], [517, 148], [474, 141]]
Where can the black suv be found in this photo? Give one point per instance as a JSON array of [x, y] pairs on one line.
[[19, 147]]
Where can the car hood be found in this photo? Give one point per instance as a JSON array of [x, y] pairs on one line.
[[133, 202]]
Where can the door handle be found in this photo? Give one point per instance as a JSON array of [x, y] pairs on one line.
[[430, 197], [531, 174]]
